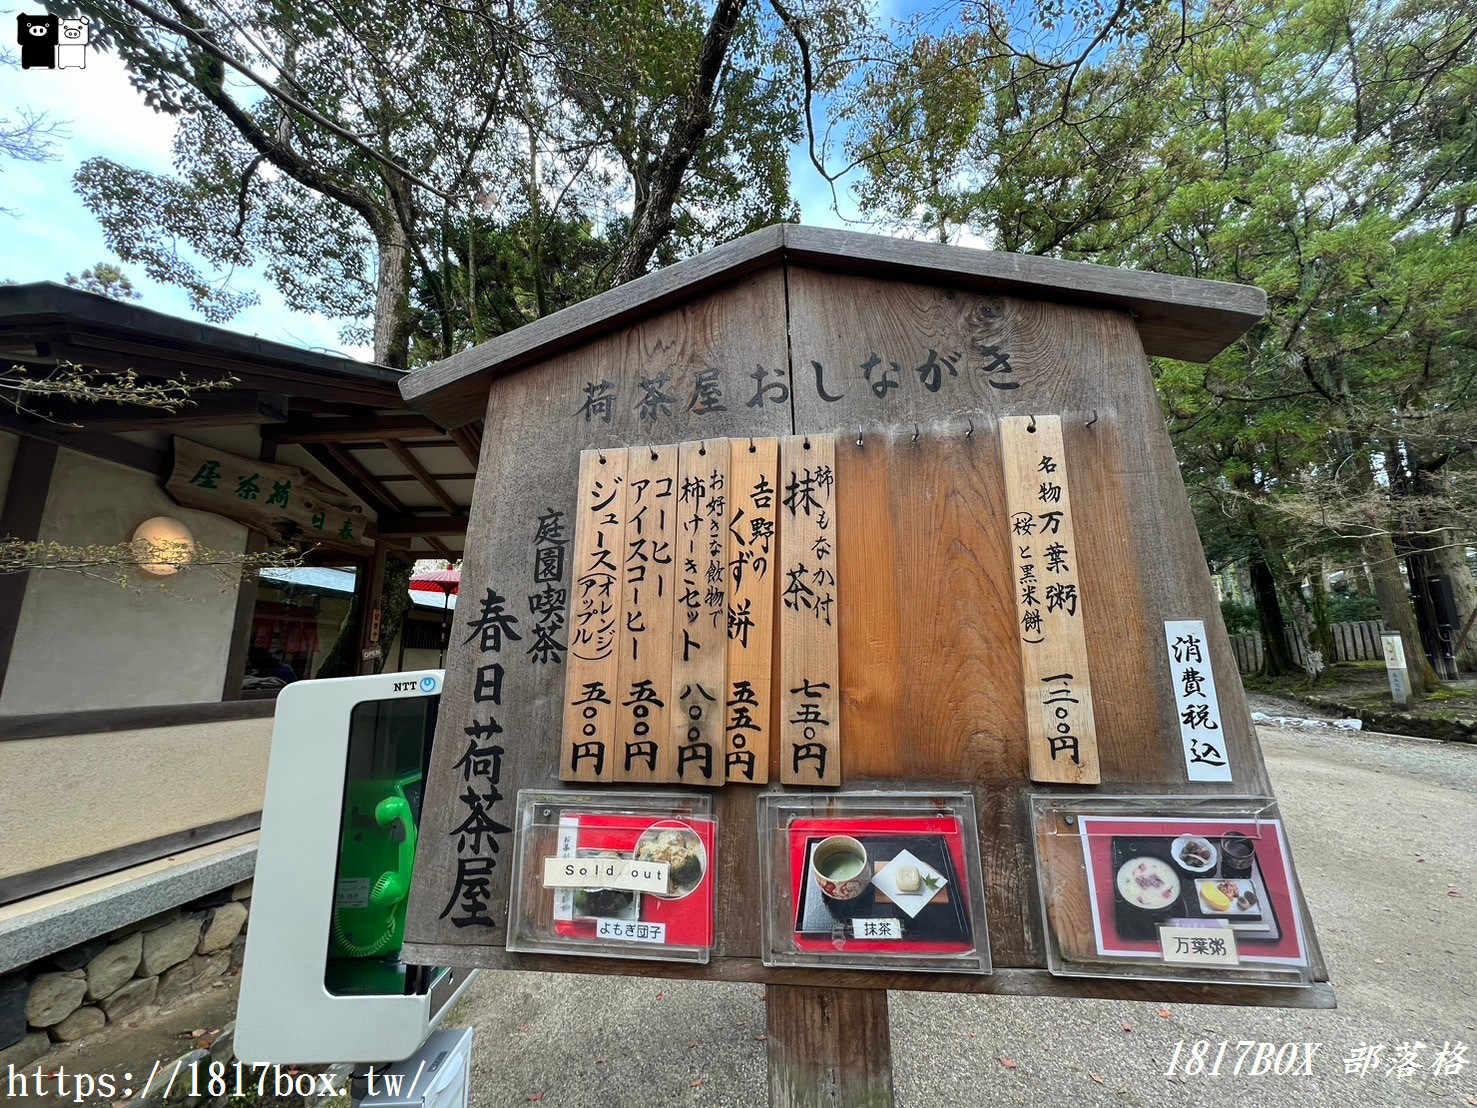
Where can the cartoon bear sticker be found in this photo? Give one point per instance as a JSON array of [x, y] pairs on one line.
[[38, 36], [71, 51]]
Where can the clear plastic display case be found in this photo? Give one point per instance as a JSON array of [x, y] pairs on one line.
[[873, 881], [1170, 888], [614, 875]]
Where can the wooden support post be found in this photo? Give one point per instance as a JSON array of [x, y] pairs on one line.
[[21, 518], [246, 594], [371, 613], [828, 1048]]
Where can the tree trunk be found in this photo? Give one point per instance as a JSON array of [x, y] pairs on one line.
[[1321, 633], [1366, 579], [1304, 628], [1276, 658], [1395, 609], [653, 220], [392, 324], [394, 603], [1450, 557], [1390, 590]]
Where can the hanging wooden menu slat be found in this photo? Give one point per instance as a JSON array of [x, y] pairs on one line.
[[588, 731], [644, 750], [1061, 735], [752, 499], [700, 636], [809, 682]]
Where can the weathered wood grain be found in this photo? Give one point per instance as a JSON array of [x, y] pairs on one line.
[[904, 660], [809, 689], [1176, 316], [644, 748], [537, 423], [930, 675], [454, 391], [828, 1048], [752, 580], [1003, 982], [596, 616], [1061, 734], [700, 643]]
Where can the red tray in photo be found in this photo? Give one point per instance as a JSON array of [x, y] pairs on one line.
[[802, 831], [1272, 866], [689, 920]]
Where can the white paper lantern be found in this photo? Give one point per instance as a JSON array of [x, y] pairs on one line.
[[165, 538]]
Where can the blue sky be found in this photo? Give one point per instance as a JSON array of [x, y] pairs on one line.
[[49, 232]]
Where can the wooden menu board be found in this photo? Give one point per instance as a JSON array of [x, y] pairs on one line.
[[700, 644], [1061, 734], [809, 689], [644, 747], [912, 357], [752, 552]]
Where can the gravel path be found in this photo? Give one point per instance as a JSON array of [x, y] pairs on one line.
[[1383, 829]]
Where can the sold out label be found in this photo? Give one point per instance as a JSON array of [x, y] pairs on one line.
[[605, 873]]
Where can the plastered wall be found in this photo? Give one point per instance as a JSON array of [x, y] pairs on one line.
[[87, 643]]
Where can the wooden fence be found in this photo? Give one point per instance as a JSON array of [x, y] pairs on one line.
[[1355, 641]]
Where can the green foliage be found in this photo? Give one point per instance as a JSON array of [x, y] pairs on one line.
[[377, 144], [1325, 152], [1345, 607], [106, 279], [1240, 618], [494, 280]]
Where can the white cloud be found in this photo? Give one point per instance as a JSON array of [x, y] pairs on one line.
[[105, 116], [52, 233]]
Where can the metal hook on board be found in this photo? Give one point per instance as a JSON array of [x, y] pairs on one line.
[[970, 433], [807, 442], [601, 455], [751, 444], [1093, 420], [654, 455], [1032, 427], [859, 437], [915, 432]]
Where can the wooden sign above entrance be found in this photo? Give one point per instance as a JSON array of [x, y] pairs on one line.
[[287, 502]]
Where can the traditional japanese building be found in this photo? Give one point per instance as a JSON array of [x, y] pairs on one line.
[[135, 721]]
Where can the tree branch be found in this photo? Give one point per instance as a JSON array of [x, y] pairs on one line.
[[204, 43], [655, 220]]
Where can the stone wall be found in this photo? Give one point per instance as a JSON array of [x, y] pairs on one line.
[[156, 962]]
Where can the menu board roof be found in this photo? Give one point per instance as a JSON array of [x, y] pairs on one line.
[[1178, 317]]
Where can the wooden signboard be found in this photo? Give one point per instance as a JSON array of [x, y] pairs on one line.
[[1061, 734], [286, 501], [916, 364], [595, 620], [809, 688], [700, 642], [752, 553], [644, 747]]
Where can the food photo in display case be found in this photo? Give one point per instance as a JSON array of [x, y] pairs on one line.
[[617, 876], [1202, 894], [874, 881]]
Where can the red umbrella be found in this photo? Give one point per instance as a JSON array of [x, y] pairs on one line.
[[444, 581]]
